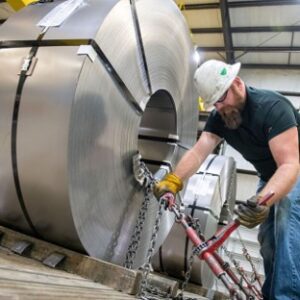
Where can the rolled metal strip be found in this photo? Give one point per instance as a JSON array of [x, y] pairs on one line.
[[83, 116]]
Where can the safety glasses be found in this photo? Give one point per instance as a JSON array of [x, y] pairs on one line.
[[222, 98]]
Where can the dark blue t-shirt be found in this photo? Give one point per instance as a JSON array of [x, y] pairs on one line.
[[265, 115]]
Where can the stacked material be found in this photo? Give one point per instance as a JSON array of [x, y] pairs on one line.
[[84, 86]]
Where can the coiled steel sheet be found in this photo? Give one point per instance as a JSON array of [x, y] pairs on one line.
[[69, 131]]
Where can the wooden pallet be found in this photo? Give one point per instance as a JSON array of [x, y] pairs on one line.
[[26, 260], [34, 269], [25, 278]]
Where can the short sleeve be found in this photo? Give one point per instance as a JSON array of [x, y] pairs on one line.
[[280, 118], [214, 124]]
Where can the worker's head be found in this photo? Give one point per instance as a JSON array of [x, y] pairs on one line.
[[217, 83], [213, 78]]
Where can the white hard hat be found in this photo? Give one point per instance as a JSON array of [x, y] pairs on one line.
[[213, 78]]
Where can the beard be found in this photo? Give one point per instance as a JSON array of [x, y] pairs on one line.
[[232, 118]]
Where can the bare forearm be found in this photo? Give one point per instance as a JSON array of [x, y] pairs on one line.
[[192, 160], [281, 182], [188, 165]]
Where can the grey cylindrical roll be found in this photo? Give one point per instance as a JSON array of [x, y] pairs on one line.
[[207, 192], [84, 112]]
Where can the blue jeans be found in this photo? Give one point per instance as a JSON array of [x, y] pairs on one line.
[[279, 238]]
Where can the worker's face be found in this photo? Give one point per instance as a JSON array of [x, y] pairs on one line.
[[230, 106]]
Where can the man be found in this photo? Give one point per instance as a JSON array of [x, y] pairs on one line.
[[263, 126]]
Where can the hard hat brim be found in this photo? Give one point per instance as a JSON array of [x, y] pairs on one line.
[[233, 71]]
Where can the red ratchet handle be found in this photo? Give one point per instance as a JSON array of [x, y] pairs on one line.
[[266, 198], [221, 235]]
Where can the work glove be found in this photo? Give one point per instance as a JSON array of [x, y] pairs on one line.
[[170, 183], [251, 214]]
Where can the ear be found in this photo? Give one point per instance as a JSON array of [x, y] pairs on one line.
[[238, 87], [238, 84]]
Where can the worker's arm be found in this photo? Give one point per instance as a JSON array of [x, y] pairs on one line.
[[192, 159], [285, 151], [188, 165]]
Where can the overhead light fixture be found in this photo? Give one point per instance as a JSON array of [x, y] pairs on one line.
[[197, 56]]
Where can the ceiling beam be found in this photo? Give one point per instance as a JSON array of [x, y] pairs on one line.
[[271, 66], [268, 49], [227, 31], [211, 49], [266, 28], [245, 29], [201, 6], [207, 30], [252, 49], [263, 3], [237, 4]]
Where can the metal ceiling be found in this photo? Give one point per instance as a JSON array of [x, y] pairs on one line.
[[260, 34]]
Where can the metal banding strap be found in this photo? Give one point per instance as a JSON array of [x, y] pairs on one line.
[[158, 138], [183, 146], [133, 103], [193, 206], [141, 48], [203, 209], [14, 129], [117, 79], [165, 140], [157, 162]]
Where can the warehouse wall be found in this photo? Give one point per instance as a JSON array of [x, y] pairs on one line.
[[279, 80]]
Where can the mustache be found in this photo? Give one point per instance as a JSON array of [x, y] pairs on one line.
[[232, 118]]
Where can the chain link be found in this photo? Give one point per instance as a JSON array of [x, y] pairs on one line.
[[136, 236], [147, 266], [148, 182], [148, 292], [195, 223], [245, 252], [254, 276]]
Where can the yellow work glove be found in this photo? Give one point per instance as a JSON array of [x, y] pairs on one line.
[[170, 183]]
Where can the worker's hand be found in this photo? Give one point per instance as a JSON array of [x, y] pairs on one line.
[[170, 183], [251, 213]]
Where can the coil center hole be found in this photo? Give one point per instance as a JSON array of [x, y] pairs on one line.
[[157, 136]]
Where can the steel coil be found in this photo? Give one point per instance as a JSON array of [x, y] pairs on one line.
[[112, 80]]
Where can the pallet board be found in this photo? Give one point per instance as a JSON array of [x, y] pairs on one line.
[[111, 275], [77, 276], [25, 278]]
